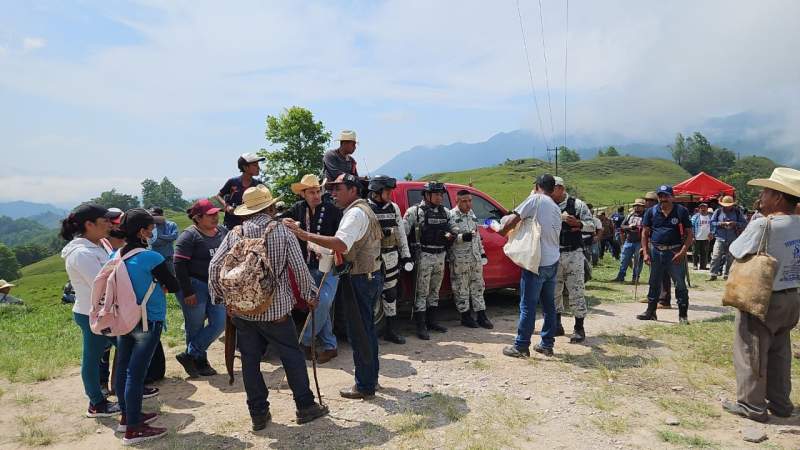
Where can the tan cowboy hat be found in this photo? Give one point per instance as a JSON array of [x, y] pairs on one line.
[[639, 202], [5, 284], [727, 201], [783, 179], [348, 135], [651, 196], [255, 199], [308, 181]]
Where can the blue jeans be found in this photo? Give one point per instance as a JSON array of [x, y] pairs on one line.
[[322, 313], [661, 266], [253, 338], [199, 336], [533, 289], [135, 350], [367, 294], [94, 346], [630, 251]]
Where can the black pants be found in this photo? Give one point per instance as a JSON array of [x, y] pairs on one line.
[[701, 249], [252, 337]]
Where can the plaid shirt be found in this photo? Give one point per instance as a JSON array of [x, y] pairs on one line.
[[284, 253]]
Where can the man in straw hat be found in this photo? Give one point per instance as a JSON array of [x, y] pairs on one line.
[[726, 224], [358, 240], [274, 326], [317, 216], [340, 160], [632, 229], [762, 355], [5, 297]]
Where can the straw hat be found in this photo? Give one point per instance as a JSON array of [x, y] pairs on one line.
[[651, 196], [308, 181], [783, 179], [348, 135], [727, 201], [255, 199], [639, 202], [5, 284]]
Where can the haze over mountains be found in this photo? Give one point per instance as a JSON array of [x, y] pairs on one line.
[[746, 133]]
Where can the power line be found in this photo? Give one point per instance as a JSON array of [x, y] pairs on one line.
[[530, 75], [546, 72], [566, 59]]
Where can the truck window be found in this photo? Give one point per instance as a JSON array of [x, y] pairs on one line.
[[484, 209], [415, 196]]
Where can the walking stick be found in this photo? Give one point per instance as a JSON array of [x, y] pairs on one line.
[[314, 354], [637, 275], [310, 314]]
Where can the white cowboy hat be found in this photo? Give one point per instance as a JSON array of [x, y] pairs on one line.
[[348, 135], [5, 284], [255, 199], [783, 179], [639, 202], [308, 181], [727, 201]]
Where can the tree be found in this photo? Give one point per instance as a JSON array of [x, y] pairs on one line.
[[408, 177], [745, 170], [696, 154], [30, 253], [114, 199], [567, 155], [610, 151], [173, 197], [678, 150], [152, 194], [300, 143], [9, 267]]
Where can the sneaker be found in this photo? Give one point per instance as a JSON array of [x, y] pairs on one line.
[[738, 410], [515, 352], [141, 433], [725, 277], [313, 412], [546, 351], [146, 418], [149, 392], [712, 278], [188, 364], [103, 409]]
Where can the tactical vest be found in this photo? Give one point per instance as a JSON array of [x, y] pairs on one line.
[[434, 223], [365, 254], [570, 240], [388, 219]]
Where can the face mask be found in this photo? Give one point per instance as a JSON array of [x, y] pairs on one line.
[[117, 234]]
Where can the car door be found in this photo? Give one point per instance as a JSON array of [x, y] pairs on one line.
[[499, 270]]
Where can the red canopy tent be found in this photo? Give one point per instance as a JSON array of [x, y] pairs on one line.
[[704, 187]]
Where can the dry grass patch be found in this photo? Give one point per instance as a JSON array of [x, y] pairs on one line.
[[692, 413], [611, 425], [26, 398], [32, 432], [690, 441], [497, 421]]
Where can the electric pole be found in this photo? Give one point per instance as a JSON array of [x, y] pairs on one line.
[[554, 150]]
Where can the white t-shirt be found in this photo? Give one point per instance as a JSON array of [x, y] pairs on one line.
[[545, 211], [784, 245], [703, 227], [352, 227]]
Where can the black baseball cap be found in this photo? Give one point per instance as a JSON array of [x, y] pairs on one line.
[[90, 211], [347, 179], [135, 219], [546, 182]]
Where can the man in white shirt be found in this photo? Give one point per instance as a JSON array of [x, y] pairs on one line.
[[701, 222], [538, 287], [358, 240], [762, 350]]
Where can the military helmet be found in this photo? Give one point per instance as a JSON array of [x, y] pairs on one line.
[[434, 186], [381, 182]]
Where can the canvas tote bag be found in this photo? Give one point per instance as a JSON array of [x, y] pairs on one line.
[[523, 246], [749, 286]]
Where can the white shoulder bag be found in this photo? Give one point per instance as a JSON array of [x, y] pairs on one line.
[[524, 246]]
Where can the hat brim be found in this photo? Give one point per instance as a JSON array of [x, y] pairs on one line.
[[297, 188], [774, 185], [7, 285], [727, 204], [244, 210], [665, 193], [639, 204]]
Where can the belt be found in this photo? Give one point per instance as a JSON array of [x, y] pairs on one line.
[[433, 250], [570, 248], [788, 291], [389, 249], [280, 320], [664, 248], [368, 276]]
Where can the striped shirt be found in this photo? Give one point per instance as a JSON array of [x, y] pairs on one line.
[[284, 253]]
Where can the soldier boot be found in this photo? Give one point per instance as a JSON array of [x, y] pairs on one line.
[[578, 333], [431, 320], [559, 327], [650, 313], [390, 335], [422, 329], [484, 321], [467, 320]]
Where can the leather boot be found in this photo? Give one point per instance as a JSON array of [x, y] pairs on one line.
[[683, 314], [431, 320], [422, 329], [578, 334], [467, 320], [650, 314], [484, 321], [389, 333], [559, 327]]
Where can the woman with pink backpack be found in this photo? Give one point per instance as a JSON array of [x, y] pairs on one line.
[[150, 277]]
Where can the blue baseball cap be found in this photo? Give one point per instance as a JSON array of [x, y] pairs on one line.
[[665, 189]]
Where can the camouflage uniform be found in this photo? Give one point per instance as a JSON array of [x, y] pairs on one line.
[[430, 270], [394, 248], [466, 268], [571, 266]]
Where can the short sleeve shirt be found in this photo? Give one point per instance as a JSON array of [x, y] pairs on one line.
[[140, 269], [548, 214], [667, 230], [232, 193], [198, 249], [335, 165], [353, 226], [783, 244]]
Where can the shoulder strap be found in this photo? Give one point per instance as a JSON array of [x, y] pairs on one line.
[[762, 244], [571, 206], [144, 305], [131, 253]]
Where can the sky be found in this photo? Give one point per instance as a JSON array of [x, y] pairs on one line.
[[97, 95]]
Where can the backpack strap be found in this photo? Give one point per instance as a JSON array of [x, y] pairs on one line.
[[144, 305]]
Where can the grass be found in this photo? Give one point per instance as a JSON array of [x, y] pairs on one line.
[[480, 364], [428, 412], [26, 398], [497, 421], [690, 441], [691, 413], [31, 432], [601, 181], [611, 425]]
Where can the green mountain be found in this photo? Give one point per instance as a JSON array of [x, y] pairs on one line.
[[602, 181]]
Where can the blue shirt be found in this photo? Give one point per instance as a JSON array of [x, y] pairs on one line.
[[727, 234], [140, 269], [166, 233], [666, 230]]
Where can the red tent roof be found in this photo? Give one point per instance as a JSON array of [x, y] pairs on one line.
[[705, 186]]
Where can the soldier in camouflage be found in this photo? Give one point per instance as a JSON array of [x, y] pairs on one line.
[[429, 232], [467, 258], [576, 220], [394, 248]]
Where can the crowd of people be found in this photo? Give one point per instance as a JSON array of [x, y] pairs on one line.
[[345, 240]]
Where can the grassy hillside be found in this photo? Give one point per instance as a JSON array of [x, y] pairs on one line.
[[602, 181]]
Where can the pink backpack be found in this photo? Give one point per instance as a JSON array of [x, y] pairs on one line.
[[114, 310]]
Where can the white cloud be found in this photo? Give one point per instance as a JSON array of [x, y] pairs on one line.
[[33, 43]]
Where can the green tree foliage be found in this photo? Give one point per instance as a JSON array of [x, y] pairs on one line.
[[30, 253], [696, 154], [299, 144], [408, 176], [610, 151], [163, 195], [567, 155], [9, 267], [114, 199], [744, 170]]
